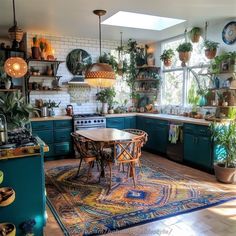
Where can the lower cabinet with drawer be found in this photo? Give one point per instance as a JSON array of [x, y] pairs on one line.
[[128, 122], [56, 134], [198, 146]]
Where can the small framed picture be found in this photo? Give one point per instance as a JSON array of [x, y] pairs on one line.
[[225, 66]]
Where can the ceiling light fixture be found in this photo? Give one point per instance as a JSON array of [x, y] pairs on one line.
[[16, 67], [15, 33], [100, 74]]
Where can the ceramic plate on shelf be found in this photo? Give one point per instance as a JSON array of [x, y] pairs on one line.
[[229, 33], [77, 61]]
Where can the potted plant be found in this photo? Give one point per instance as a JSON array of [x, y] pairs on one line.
[[42, 46], [184, 50], [4, 78], [166, 57], [224, 135], [106, 96], [35, 48], [16, 110], [210, 48], [195, 34]]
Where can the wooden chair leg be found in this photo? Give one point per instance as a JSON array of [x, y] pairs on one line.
[[90, 167], [133, 173], [79, 167], [140, 166], [110, 168]]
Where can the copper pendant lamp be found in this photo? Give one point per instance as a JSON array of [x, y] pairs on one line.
[[15, 67], [100, 74], [15, 33]]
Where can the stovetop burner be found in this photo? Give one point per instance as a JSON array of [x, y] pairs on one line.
[[86, 115]]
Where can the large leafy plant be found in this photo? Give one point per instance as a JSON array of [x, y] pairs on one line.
[[16, 110], [224, 135], [106, 96]]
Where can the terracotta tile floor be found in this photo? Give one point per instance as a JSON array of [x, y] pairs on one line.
[[218, 220]]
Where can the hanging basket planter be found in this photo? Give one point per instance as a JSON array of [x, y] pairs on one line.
[[195, 34], [184, 57], [210, 54], [167, 62], [210, 49], [166, 57], [184, 51]]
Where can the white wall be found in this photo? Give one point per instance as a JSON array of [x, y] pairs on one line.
[[83, 98]]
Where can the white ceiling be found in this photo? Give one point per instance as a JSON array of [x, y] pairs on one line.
[[76, 18]]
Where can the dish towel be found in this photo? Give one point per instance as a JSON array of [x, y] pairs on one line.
[[174, 132]]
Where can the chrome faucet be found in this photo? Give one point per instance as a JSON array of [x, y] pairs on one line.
[[3, 130]]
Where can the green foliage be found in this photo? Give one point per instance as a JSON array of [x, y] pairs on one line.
[[167, 54], [35, 41], [193, 98], [194, 31], [232, 113], [106, 96], [51, 104], [217, 61], [42, 46], [185, 47], [211, 45], [16, 110], [225, 136]]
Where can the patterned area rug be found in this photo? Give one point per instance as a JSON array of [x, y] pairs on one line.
[[83, 207]]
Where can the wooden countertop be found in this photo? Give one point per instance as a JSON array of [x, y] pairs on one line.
[[48, 118]]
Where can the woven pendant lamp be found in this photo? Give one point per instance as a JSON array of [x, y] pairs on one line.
[[16, 67], [15, 34], [100, 74]]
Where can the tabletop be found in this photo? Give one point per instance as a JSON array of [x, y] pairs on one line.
[[106, 135]]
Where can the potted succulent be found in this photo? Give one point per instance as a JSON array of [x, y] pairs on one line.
[[224, 135], [210, 48], [16, 110], [42, 46], [35, 48], [195, 34], [106, 96], [184, 50], [166, 57]]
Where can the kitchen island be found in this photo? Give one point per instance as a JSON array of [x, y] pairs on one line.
[[23, 170]]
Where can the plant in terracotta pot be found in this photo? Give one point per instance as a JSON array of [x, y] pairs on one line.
[[224, 136], [166, 57], [184, 50], [106, 96], [35, 48], [210, 48], [42, 46], [194, 34]]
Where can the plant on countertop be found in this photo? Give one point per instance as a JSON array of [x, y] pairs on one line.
[[106, 96], [16, 110], [195, 34], [184, 50], [224, 135], [166, 56]]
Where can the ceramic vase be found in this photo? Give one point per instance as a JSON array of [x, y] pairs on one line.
[[104, 108], [8, 84], [35, 53]]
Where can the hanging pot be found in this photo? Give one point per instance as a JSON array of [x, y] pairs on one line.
[[210, 54], [167, 62], [184, 57], [195, 38]]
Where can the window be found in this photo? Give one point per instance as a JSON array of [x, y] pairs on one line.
[[182, 83]]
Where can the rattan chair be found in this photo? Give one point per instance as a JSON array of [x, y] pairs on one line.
[[86, 150]]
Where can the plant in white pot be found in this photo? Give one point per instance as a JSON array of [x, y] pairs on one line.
[[106, 96], [224, 136]]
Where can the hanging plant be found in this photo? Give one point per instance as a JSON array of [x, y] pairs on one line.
[[210, 49], [195, 34], [184, 51], [166, 57]]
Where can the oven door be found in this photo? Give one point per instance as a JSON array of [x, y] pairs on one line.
[[89, 127]]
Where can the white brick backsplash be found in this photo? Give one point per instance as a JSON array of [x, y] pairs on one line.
[[84, 99]]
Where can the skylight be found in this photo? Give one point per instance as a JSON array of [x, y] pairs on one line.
[[141, 21]]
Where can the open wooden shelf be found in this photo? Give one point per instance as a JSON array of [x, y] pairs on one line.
[[9, 90]]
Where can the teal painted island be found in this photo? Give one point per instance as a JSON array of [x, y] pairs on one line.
[[23, 171]]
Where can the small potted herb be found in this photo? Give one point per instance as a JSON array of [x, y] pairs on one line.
[[195, 34], [166, 57], [35, 48], [210, 48], [184, 50]]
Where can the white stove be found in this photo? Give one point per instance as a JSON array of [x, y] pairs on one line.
[[89, 121]]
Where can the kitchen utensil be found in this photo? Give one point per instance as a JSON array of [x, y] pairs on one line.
[[69, 110]]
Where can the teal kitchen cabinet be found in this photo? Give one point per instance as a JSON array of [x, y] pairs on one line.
[[26, 176], [198, 147], [56, 134], [115, 123], [128, 122], [157, 131]]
